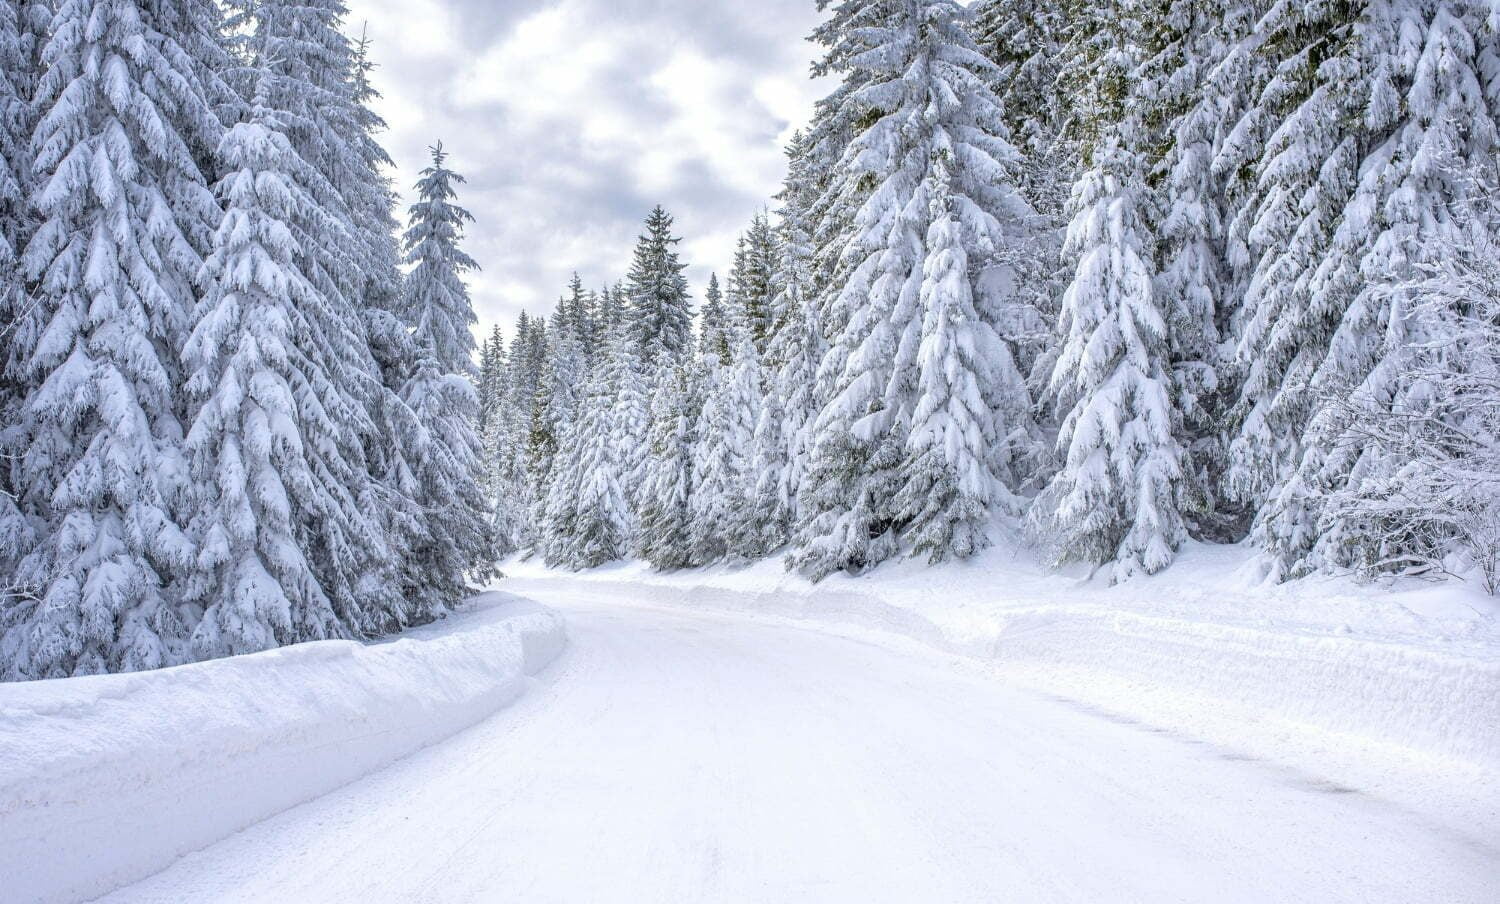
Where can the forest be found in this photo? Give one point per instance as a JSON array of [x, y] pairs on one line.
[[1109, 277]]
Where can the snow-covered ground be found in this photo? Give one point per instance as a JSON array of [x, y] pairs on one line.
[[105, 780], [1395, 688], [675, 755]]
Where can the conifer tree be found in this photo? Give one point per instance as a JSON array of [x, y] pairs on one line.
[[1116, 497], [750, 280], [587, 521], [22, 30], [660, 312], [915, 347], [1391, 141], [444, 450], [713, 324], [790, 369], [313, 84], [630, 419], [665, 535], [124, 208], [722, 482], [259, 440]]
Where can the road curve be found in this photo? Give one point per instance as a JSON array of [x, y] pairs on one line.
[[672, 756]]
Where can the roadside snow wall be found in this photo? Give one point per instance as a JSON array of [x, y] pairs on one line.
[[105, 780]]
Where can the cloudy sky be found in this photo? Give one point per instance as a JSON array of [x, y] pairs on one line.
[[572, 118]]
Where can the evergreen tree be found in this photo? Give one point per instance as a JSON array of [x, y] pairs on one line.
[[1116, 497], [437, 301], [926, 396], [713, 324], [722, 482], [588, 521], [444, 450], [791, 366], [490, 385], [124, 210], [260, 438], [750, 280], [1188, 105], [665, 535], [312, 83], [1396, 133], [22, 33], [630, 420], [660, 313]]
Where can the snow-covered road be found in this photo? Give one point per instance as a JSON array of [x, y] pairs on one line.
[[671, 756]]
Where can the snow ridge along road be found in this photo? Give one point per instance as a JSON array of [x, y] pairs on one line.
[[672, 755], [107, 779]]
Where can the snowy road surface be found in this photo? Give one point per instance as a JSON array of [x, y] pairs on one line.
[[670, 756]]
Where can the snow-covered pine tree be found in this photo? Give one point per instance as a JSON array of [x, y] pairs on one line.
[[506, 443], [490, 384], [559, 392], [444, 451], [1424, 497], [630, 418], [750, 280], [436, 299], [944, 201], [1116, 497], [1187, 39], [1407, 174], [664, 535], [313, 83], [124, 207], [661, 313], [587, 520], [723, 484], [22, 29], [791, 367], [1025, 39], [580, 306], [260, 438], [713, 324]]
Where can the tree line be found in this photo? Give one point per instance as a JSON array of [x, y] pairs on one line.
[[230, 421], [1112, 274]]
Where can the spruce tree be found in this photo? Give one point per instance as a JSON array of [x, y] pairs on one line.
[[22, 31], [664, 537], [630, 419], [314, 80], [259, 440], [444, 450], [661, 314], [923, 393], [723, 484], [124, 210], [587, 520], [1396, 133], [750, 280], [1116, 497], [713, 324], [790, 363]]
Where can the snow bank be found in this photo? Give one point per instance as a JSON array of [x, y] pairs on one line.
[[105, 780], [1415, 668]]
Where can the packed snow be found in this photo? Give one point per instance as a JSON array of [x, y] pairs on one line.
[[1394, 687], [107, 779], [674, 755]]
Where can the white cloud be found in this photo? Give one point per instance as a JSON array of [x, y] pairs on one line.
[[572, 118]]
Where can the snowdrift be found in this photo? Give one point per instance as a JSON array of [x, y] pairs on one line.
[[1204, 648], [105, 780]]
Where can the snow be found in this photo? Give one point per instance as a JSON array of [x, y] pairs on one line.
[[1395, 688], [107, 779], [675, 755]]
